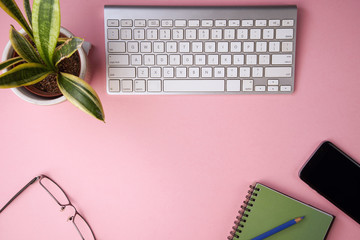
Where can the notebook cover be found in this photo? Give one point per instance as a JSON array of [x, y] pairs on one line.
[[272, 208]]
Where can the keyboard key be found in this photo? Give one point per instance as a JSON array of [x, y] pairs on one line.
[[168, 72], [190, 34], [242, 34], [154, 85], [278, 72], [268, 33], [216, 34], [231, 72], [233, 85], [140, 23], [209, 46], [244, 72], [167, 23], [122, 72], [121, 59], [204, 34], [248, 46], [287, 46], [220, 23], [153, 23], [273, 88], [288, 23], [139, 34], [274, 23], [235, 47], [155, 72], [125, 33], [274, 46], [143, 72], [178, 34], [116, 47], [126, 23], [145, 47], [255, 33], [285, 88], [113, 34], [234, 23], [126, 85], [194, 23], [248, 85], [139, 85], [264, 59], [136, 59], [281, 59], [152, 34], [165, 34], [247, 23], [273, 82], [180, 23], [260, 23], [260, 88], [207, 23], [229, 34], [112, 23], [190, 85], [133, 47], [284, 33], [257, 72], [114, 85]]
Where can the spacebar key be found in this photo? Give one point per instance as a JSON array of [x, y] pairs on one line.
[[194, 85]]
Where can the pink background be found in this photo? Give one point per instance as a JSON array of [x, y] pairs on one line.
[[178, 167]]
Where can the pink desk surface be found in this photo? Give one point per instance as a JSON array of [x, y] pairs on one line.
[[178, 167]]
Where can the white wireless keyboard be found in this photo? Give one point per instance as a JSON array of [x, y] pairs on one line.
[[200, 50]]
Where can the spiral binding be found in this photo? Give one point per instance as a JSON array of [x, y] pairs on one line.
[[249, 202]]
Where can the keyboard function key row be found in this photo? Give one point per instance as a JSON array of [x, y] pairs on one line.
[[197, 23]]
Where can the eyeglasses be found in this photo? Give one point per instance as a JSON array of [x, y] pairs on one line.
[[60, 197]]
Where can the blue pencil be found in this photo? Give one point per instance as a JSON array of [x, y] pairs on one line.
[[278, 229]]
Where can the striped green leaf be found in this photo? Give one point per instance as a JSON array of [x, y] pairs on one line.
[[10, 62], [22, 46], [11, 8], [67, 49], [28, 10], [46, 27], [81, 94], [24, 75], [61, 40]]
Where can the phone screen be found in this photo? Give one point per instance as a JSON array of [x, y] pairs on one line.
[[336, 176]]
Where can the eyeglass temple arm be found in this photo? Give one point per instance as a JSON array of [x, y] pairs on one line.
[[17, 194]]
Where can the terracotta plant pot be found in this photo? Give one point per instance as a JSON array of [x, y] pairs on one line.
[[31, 97]]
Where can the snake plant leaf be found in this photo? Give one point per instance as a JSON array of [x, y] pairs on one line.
[[28, 10], [67, 49], [46, 27], [11, 8], [24, 75], [23, 47], [10, 62], [61, 40], [81, 94]]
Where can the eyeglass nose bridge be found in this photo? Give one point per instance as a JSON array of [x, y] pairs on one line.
[[70, 218]]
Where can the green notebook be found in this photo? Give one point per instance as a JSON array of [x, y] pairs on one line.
[[265, 209]]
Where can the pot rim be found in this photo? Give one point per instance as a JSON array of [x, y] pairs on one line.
[[26, 95]]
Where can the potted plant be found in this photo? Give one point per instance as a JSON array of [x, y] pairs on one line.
[[41, 52]]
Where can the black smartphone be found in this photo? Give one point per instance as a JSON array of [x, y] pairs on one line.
[[336, 176]]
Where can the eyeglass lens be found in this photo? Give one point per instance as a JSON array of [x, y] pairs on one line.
[[55, 191]]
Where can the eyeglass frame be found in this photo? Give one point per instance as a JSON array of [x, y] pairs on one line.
[[63, 206]]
